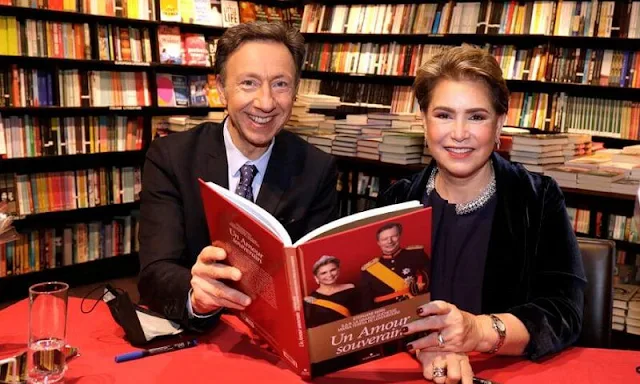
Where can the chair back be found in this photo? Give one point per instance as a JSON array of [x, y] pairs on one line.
[[598, 259]]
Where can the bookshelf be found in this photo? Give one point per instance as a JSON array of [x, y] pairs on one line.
[[615, 204]]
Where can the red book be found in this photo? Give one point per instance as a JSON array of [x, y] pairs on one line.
[[337, 297]]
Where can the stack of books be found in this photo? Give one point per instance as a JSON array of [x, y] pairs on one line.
[[402, 147], [538, 152], [626, 308]]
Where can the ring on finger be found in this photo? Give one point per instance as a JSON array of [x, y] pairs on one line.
[[440, 340], [439, 371]]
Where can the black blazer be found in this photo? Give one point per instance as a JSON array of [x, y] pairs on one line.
[[533, 269], [299, 189]]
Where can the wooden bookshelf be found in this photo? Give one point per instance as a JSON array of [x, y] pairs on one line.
[[477, 39], [71, 162], [16, 287], [51, 219], [71, 17]]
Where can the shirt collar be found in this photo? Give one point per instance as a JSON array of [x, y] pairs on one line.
[[236, 159]]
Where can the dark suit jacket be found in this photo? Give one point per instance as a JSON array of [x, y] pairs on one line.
[[299, 189], [533, 269]]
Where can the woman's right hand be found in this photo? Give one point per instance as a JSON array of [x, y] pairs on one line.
[[446, 367], [208, 292]]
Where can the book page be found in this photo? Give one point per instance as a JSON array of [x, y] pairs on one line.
[[359, 219], [257, 212]]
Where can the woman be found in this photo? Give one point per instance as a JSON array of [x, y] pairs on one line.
[[331, 301], [507, 276]]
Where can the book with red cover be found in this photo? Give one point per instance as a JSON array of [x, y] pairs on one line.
[[332, 299]]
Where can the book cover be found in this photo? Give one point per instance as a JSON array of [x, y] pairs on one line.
[[169, 45], [230, 13], [337, 305], [166, 94], [181, 90], [196, 50], [169, 10], [198, 92]]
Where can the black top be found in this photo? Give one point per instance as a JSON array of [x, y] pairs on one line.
[[533, 266], [316, 315], [459, 245]]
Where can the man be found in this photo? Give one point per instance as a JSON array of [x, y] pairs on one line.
[[258, 68], [398, 274]]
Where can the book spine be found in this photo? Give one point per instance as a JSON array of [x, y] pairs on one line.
[[302, 362]]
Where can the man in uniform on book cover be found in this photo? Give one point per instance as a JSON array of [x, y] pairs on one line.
[[398, 274]]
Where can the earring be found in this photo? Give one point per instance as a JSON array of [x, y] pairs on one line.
[[498, 143]]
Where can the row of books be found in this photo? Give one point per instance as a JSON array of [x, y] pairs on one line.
[[565, 18], [124, 44], [44, 38], [61, 191], [29, 136], [187, 91], [40, 249], [619, 227], [227, 13], [23, 87], [75, 88], [351, 93], [604, 67], [186, 48], [550, 64], [132, 9]]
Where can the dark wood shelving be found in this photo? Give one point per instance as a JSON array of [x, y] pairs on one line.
[[48, 62], [167, 111], [72, 162], [514, 85], [52, 219], [208, 30], [101, 111], [15, 287], [70, 17], [73, 111], [180, 69], [477, 39]]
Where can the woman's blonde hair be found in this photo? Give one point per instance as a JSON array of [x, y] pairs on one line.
[[464, 62]]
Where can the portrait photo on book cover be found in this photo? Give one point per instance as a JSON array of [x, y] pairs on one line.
[[358, 296]]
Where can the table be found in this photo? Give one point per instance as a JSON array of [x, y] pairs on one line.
[[227, 355]]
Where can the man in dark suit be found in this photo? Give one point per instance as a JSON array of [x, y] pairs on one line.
[[249, 153]]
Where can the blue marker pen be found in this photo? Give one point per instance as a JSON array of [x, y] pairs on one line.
[[155, 351]]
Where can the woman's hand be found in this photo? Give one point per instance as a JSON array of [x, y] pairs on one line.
[[450, 329], [446, 367]]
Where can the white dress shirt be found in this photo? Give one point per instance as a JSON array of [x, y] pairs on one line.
[[235, 161]]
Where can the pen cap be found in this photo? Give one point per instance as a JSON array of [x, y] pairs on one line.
[[129, 356]]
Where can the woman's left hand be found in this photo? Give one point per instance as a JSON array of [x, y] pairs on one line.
[[446, 367], [450, 329]]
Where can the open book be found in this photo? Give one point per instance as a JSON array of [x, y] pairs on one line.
[[337, 297]]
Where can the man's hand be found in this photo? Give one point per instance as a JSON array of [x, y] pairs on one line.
[[209, 293]]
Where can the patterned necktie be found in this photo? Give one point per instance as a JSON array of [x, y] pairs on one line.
[[247, 173]]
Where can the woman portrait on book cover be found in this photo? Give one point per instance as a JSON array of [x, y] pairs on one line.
[[332, 300], [506, 273]]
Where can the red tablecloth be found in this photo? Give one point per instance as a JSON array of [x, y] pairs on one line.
[[227, 355]]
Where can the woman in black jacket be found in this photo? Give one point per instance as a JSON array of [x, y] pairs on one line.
[[507, 276]]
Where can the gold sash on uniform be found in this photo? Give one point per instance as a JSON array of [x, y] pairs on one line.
[[329, 305], [390, 278]]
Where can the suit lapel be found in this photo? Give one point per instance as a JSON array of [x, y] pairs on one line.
[[216, 167], [277, 177]]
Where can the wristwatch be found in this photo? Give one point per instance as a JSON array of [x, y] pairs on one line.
[[501, 329]]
